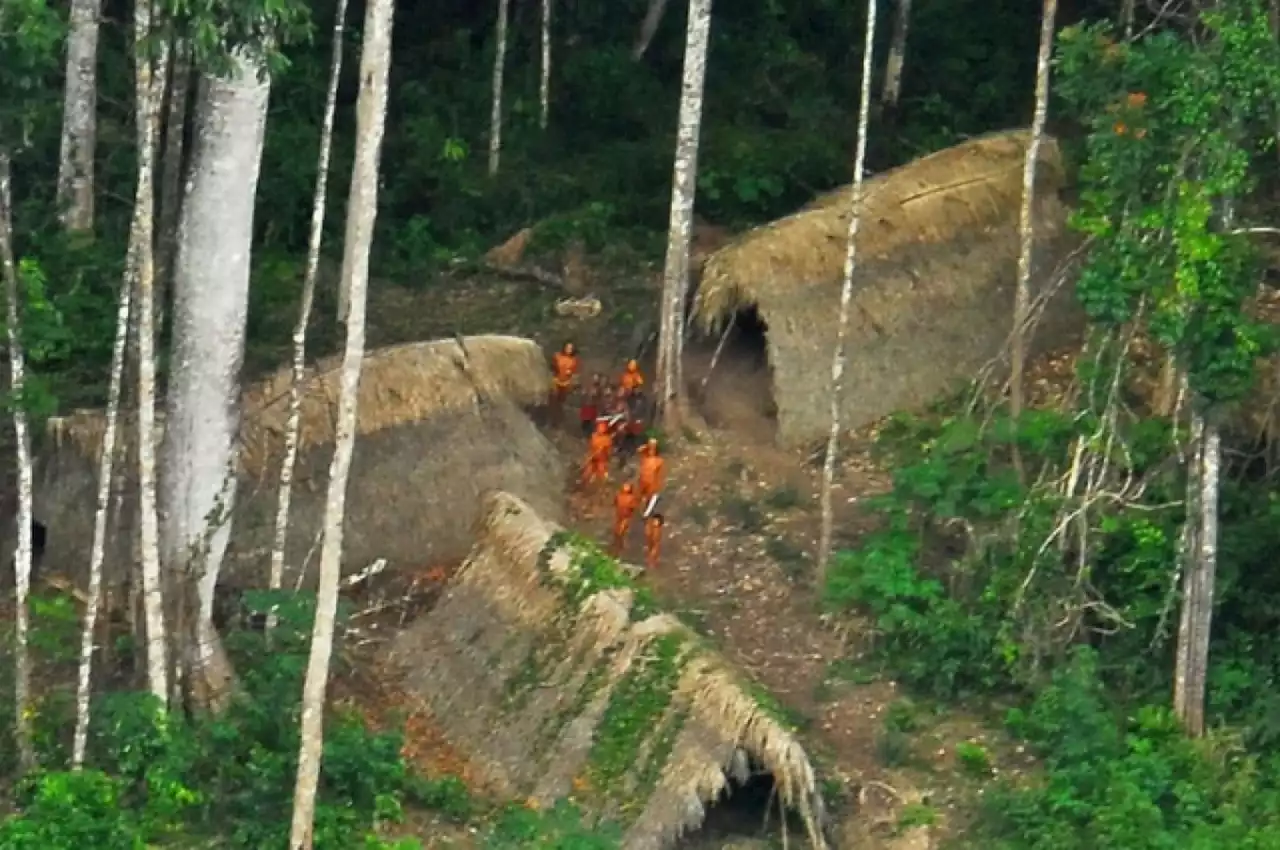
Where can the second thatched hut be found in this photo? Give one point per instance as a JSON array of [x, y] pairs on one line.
[[554, 673], [438, 424], [937, 257]]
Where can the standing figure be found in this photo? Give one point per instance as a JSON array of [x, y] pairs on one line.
[[653, 525], [590, 407], [564, 368], [625, 505], [653, 470], [632, 380], [596, 467]]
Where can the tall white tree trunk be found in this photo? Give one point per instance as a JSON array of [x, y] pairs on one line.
[[362, 210], [544, 87], [105, 462], [304, 313], [1194, 630], [684, 182], [175, 125], [22, 555], [140, 272], [210, 305], [1026, 224], [79, 118], [648, 28], [897, 54], [499, 64], [846, 297]]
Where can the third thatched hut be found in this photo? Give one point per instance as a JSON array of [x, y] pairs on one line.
[[933, 291], [555, 674]]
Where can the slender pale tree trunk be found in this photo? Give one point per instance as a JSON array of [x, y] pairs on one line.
[[1194, 631], [1026, 223], [362, 210], [79, 118], [1128, 10], [175, 126], [648, 28], [210, 305], [140, 272], [105, 472], [827, 532], [304, 313], [897, 54], [22, 555], [499, 64], [684, 182], [544, 87]]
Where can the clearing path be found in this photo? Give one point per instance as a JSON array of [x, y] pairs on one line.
[[737, 565]]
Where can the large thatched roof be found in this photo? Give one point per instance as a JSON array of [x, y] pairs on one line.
[[552, 670], [933, 200], [399, 385], [438, 424], [933, 290]]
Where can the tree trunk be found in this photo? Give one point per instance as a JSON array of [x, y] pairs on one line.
[[827, 532], [649, 28], [362, 210], [175, 127], [304, 312], [22, 555], [499, 62], [210, 305], [140, 271], [544, 87], [1194, 631], [1128, 10], [684, 182], [79, 118], [1026, 225], [897, 55], [105, 472]]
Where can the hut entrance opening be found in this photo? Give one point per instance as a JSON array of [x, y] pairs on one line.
[[735, 391], [746, 816]]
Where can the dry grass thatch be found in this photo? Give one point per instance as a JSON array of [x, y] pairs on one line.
[[537, 648], [399, 385], [933, 293], [966, 188], [437, 431]]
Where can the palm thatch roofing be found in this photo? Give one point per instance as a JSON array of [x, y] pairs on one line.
[[936, 263], [438, 424], [553, 671]]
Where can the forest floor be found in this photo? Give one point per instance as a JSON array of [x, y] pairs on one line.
[[737, 560]]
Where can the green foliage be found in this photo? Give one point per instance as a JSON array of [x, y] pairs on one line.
[[1128, 781], [30, 35], [638, 702], [1173, 126], [561, 827], [593, 570]]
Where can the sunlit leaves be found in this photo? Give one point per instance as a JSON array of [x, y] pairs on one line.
[[1173, 125], [217, 29]]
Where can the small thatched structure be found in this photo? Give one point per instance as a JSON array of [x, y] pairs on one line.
[[438, 424], [552, 671], [933, 290]]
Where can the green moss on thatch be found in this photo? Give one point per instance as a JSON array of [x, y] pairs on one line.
[[592, 570], [637, 719]]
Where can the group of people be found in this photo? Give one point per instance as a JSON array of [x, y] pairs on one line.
[[612, 417]]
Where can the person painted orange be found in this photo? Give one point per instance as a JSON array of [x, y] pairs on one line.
[[564, 368], [625, 505], [653, 470], [653, 525], [632, 379], [596, 467]]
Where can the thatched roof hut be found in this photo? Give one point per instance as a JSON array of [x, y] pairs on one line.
[[933, 290], [438, 424], [551, 669]]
